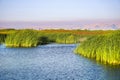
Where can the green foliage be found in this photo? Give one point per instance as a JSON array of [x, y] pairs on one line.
[[57, 36], [104, 48], [62, 38], [43, 40], [67, 38], [2, 38], [22, 38], [29, 38]]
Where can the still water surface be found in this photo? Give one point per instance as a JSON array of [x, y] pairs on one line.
[[51, 62]]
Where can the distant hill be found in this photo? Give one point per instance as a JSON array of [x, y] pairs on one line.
[[62, 25], [102, 27]]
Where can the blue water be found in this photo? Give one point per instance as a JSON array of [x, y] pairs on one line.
[[51, 62]]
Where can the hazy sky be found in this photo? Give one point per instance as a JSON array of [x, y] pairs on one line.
[[59, 10]]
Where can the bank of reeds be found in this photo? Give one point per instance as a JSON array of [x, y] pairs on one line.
[[31, 38], [62, 38], [2, 38], [103, 48], [22, 38]]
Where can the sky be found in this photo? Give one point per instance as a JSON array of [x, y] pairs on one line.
[[59, 10]]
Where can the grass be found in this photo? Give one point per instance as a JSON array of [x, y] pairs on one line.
[[60, 37], [32, 38], [3, 34], [103, 48], [70, 36], [22, 38], [2, 38], [7, 31]]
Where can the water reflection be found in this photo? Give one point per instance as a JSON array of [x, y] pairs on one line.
[[112, 72]]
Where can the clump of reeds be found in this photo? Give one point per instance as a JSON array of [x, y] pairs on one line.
[[22, 38], [2, 38], [104, 48]]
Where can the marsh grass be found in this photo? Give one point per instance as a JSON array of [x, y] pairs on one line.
[[2, 38], [32, 38], [22, 38], [62, 38], [103, 48]]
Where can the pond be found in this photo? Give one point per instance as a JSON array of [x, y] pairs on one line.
[[51, 62]]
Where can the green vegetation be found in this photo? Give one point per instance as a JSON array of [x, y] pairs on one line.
[[69, 36], [2, 38], [63, 38], [103, 48], [7, 31], [22, 38], [32, 38]]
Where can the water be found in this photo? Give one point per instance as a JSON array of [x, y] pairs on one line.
[[51, 62]]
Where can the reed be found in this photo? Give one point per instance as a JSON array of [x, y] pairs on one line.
[[65, 38], [32, 38], [22, 38], [103, 48], [2, 38]]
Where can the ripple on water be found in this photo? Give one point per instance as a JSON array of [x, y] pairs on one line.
[[51, 62]]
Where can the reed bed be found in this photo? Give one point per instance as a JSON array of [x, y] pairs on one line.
[[22, 38], [62, 38], [2, 38], [32, 38], [103, 48]]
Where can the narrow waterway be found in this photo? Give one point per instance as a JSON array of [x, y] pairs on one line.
[[51, 62]]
